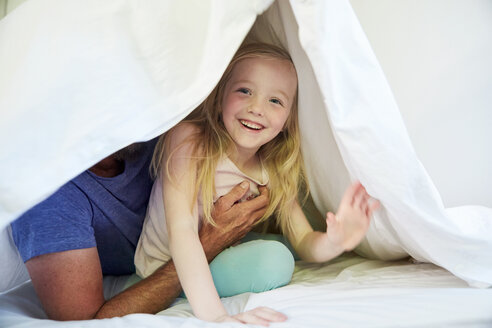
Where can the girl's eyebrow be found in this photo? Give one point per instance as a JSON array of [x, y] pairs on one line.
[[241, 81], [284, 94], [275, 91]]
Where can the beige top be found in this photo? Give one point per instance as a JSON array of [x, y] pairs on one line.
[[153, 246]]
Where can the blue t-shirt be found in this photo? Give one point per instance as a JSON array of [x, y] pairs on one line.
[[91, 211]]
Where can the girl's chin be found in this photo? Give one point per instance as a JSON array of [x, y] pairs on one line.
[[245, 149]]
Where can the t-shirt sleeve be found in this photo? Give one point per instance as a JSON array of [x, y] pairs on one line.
[[61, 222]]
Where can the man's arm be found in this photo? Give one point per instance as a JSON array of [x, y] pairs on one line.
[[69, 284], [160, 289]]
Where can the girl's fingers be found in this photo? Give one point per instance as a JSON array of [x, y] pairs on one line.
[[364, 202], [330, 219], [251, 318], [270, 314], [348, 197], [359, 197], [374, 206]]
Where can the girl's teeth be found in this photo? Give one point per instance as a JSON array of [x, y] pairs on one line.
[[251, 125]]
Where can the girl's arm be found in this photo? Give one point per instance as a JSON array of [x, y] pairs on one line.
[[344, 232], [182, 223]]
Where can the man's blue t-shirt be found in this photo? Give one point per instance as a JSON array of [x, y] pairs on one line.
[[91, 211]]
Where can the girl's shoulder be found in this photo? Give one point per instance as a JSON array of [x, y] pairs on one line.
[[185, 129], [184, 132]]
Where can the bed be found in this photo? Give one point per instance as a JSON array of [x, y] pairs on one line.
[[420, 259], [349, 291]]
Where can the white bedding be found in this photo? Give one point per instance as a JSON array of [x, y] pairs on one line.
[[350, 291]]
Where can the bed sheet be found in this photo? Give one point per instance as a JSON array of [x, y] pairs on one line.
[[349, 291]]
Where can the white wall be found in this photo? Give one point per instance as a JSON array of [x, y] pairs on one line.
[[437, 56]]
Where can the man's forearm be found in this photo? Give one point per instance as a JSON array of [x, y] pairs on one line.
[[159, 290], [156, 292], [151, 295]]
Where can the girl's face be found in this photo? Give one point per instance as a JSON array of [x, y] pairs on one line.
[[257, 101]]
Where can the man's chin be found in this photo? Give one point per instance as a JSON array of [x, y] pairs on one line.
[[131, 152]]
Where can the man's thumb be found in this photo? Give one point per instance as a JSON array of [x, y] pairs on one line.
[[235, 194]]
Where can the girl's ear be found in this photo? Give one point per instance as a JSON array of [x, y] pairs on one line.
[[219, 110], [287, 122]]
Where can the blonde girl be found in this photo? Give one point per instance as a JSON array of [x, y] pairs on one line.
[[247, 129]]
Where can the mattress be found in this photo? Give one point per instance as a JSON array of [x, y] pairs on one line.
[[349, 291]]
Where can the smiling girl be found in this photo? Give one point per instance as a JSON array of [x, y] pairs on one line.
[[247, 129]]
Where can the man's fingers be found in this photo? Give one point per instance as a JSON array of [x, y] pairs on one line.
[[263, 190], [256, 203], [254, 208], [256, 215], [225, 202]]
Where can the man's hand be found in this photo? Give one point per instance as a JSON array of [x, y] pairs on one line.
[[233, 220]]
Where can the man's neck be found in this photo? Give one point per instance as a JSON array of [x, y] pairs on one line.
[[108, 167]]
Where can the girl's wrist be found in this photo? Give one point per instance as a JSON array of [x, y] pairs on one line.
[[336, 247], [213, 316], [221, 318]]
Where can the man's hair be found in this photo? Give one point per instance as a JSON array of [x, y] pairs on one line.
[[281, 156]]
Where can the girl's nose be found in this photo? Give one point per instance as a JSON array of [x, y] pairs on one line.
[[255, 109]]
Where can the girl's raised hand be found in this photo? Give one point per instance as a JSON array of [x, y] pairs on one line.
[[261, 316], [347, 228]]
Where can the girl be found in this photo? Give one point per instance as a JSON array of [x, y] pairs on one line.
[[247, 129]]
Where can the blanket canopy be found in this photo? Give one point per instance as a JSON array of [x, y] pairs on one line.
[[87, 78]]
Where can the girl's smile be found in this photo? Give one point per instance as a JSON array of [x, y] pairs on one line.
[[251, 125]]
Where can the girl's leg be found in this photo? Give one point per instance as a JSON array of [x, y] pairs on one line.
[[271, 236], [253, 266]]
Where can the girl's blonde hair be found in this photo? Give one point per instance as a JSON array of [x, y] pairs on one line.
[[281, 156]]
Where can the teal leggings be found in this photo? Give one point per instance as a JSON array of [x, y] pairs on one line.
[[254, 266]]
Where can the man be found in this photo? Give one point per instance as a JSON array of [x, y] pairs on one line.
[[90, 227]]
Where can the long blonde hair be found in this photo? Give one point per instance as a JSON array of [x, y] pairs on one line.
[[281, 156]]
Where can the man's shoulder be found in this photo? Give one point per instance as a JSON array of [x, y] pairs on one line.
[[69, 198], [59, 223]]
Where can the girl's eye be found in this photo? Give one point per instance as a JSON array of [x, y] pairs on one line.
[[244, 90], [276, 101]]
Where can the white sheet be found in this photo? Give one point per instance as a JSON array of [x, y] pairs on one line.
[[348, 292]]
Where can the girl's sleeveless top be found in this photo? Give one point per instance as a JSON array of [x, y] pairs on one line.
[[153, 246]]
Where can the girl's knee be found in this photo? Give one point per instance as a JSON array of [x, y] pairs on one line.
[[270, 264], [275, 260], [255, 266]]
